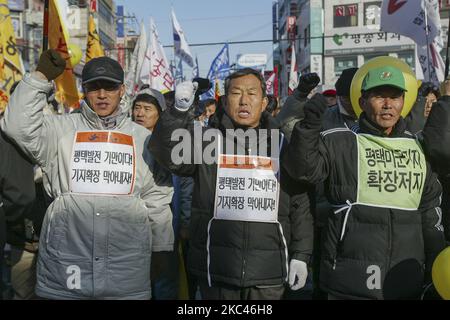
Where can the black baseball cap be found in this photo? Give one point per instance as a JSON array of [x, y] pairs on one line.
[[102, 68], [204, 85], [344, 82]]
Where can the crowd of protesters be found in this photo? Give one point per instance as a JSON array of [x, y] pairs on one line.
[[305, 199]]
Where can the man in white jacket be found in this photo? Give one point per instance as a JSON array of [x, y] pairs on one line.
[[110, 211]]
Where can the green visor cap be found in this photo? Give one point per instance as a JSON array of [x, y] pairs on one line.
[[384, 76]]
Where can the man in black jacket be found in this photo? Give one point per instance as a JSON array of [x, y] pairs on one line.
[[436, 135], [382, 238], [16, 196], [252, 254]]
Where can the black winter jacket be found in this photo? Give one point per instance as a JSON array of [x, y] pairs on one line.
[[16, 193], [436, 136], [242, 254], [362, 239]]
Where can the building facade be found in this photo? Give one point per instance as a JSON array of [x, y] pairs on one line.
[[334, 35], [27, 19]]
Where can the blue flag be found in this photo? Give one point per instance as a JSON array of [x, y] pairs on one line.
[[220, 69]]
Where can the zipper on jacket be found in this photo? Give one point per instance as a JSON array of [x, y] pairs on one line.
[[244, 252], [244, 249], [342, 233], [389, 241], [335, 255]]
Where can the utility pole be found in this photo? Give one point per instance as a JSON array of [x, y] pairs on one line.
[[323, 42]]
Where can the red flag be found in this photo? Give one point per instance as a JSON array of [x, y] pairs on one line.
[[93, 6]]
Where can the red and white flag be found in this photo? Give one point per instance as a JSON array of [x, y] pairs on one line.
[[293, 75], [270, 84], [156, 68], [134, 71], [433, 67]]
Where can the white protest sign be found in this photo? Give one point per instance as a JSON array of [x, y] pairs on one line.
[[103, 162], [247, 189]]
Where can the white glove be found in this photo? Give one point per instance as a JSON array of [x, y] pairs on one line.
[[297, 269], [185, 94]]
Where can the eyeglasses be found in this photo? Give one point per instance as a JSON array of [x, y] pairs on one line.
[[97, 85]]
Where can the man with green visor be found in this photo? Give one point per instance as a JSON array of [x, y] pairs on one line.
[[386, 228]]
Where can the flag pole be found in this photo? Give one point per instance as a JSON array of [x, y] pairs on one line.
[[428, 42], [45, 31], [447, 62]]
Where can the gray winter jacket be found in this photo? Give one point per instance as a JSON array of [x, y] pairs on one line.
[[92, 246]]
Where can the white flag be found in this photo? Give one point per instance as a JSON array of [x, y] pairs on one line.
[[269, 84], [293, 75], [433, 67], [137, 59], [410, 18], [181, 46], [156, 68]]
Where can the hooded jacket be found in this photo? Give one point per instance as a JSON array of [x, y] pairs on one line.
[[91, 245]]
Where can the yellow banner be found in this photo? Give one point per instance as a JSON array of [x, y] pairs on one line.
[[58, 40], [94, 48], [10, 63], [2, 61]]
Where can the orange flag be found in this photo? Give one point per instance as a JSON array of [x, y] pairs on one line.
[[94, 48], [10, 62], [58, 40]]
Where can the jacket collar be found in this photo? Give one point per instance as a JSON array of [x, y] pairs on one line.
[[95, 121], [222, 121], [368, 126]]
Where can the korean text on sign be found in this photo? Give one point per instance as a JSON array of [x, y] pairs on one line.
[[103, 162]]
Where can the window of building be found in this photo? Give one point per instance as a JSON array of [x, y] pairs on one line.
[[16, 20], [293, 9], [408, 57], [78, 3], [306, 36], [368, 57], [340, 64], [105, 13], [345, 15], [281, 10], [105, 40], [372, 14]]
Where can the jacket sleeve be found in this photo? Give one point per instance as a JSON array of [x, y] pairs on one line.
[[157, 194], [307, 157], [433, 231], [302, 235], [186, 189], [162, 145], [291, 112], [436, 136], [445, 206], [25, 123], [300, 216]]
